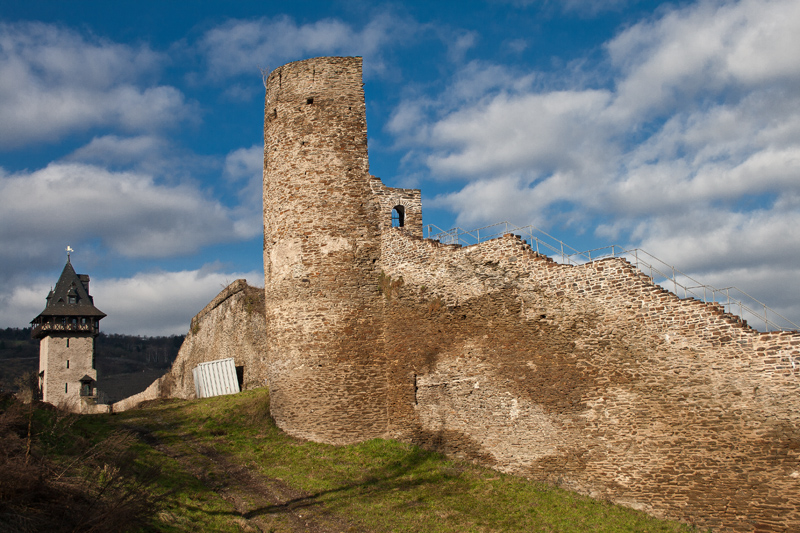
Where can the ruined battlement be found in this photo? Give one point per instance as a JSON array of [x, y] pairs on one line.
[[589, 376], [231, 325]]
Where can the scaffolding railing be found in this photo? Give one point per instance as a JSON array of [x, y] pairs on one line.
[[733, 300]]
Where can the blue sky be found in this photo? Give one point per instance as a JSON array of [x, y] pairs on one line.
[[132, 131]]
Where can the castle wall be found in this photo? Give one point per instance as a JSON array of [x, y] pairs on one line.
[[594, 378], [65, 360], [588, 376], [231, 325], [321, 245], [390, 197]]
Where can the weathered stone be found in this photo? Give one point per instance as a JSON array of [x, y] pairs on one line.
[[231, 325], [590, 375]]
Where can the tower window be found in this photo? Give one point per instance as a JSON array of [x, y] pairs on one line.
[[398, 216], [67, 363], [67, 347], [310, 100], [66, 388]]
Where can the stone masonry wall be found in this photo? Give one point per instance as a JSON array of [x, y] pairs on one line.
[[594, 378], [65, 359], [321, 244], [389, 197], [588, 376], [231, 325]]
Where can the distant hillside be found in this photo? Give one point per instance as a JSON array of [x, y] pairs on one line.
[[116, 355], [19, 354]]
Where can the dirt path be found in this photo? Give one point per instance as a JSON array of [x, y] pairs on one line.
[[262, 504]]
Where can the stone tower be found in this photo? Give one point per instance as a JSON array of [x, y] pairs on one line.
[[321, 253], [67, 329]]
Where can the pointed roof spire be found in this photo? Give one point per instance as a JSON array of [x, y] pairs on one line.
[[71, 297]]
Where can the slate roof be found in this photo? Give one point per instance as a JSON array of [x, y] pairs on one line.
[[71, 284]]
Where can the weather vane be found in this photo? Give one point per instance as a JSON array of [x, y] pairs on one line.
[[69, 251]]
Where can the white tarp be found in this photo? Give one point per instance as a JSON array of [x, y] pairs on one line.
[[215, 378]]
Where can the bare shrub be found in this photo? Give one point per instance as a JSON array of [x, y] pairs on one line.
[[57, 479]]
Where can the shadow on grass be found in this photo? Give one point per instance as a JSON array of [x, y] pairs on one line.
[[380, 481], [368, 481]]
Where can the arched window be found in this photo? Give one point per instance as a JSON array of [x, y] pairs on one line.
[[398, 216]]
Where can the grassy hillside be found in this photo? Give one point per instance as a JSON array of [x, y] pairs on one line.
[[224, 466]]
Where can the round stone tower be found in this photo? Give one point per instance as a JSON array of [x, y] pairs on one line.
[[326, 371]]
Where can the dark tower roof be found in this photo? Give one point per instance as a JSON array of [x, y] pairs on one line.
[[70, 297]]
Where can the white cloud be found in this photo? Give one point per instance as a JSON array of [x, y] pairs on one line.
[[722, 239], [693, 153], [245, 166], [703, 50], [129, 212], [115, 150], [243, 46], [148, 303], [737, 135], [527, 133], [54, 81], [152, 155], [161, 303], [245, 163], [585, 8], [459, 43], [517, 45], [499, 199]]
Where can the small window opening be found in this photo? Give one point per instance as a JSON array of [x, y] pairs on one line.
[[67, 345], [310, 100], [398, 216], [67, 363], [71, 299], [66, 388]]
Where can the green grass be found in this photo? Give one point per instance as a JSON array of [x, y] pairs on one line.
[[378, 485]]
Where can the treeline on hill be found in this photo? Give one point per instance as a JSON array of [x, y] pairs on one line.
[[116, 354]]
